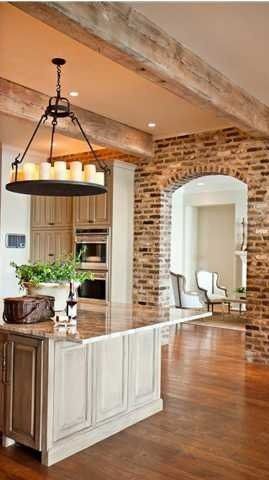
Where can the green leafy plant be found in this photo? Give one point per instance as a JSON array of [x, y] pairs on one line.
[[241, 290], [62, 270]]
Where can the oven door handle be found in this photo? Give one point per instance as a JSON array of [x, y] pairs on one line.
[[77, 241]]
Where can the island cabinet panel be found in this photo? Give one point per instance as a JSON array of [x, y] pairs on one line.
[[144, 367], [3, 372], [72, 389], [47, 245], [24, 394], [56, 212], [111, 379]]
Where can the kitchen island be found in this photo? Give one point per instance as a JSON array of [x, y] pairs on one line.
[[63, 390]]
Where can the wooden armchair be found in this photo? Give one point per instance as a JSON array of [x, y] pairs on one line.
[[213, 293]]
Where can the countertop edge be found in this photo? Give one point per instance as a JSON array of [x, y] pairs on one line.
[[94, 339]]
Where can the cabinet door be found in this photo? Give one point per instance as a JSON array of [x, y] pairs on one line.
[[47, 245], [101, 211], [24, 391], [145, 367], [43, 246], [51, 212], [72, 389], [62, 212], [83, 211], [63, 243], [102, 204], [112, 374], [39, 212], [38, 244], [3, 344], [94, 209]]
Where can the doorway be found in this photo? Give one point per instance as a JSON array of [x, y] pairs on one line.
[[209, 229]]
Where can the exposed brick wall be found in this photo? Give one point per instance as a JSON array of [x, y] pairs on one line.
[[176, 161]]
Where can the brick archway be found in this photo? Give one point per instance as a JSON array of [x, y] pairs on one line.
[[176, 178], [177, 161]]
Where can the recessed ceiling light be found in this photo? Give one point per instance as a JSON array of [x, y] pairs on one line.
[[200, 184], [73, 94], [151, 125]]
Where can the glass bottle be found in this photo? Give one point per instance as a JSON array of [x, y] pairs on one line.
[[71, 305]]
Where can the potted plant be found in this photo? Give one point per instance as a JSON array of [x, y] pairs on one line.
[[242, 291], [51, 278]]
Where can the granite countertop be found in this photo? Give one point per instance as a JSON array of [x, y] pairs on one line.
[[98, 322]]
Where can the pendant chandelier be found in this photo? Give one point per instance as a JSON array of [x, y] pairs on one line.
[[57, 179]]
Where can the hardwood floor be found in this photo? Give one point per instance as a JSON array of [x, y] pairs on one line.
[[232, 321], [215, 425]]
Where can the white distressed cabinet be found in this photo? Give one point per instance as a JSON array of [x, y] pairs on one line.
[[144, 367], [63, 396], [72, 389], [112, 376]]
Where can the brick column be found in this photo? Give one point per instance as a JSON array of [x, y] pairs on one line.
[[178, 160]]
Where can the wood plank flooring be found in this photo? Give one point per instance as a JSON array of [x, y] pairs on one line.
[[232, 321], [215, 425]]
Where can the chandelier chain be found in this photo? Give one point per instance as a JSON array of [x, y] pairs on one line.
[[58, 83]]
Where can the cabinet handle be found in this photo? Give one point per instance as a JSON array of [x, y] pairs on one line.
[[51, 254], [51, 223], [90, 221]]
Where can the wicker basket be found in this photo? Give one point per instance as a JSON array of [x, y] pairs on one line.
[[28, 309]]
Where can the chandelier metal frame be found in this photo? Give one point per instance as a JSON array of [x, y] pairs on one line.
[[58, 108]]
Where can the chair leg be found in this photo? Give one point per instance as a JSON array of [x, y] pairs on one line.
[[208, 307]]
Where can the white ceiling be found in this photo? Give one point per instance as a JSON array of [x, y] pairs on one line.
[[214, 183], [26, 49], [233, 37]]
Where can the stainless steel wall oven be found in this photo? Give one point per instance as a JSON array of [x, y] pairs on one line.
[[96, 289], [92, 247]]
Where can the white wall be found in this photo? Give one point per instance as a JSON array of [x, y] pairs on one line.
[[190, 245], [225, 197], [216, 242], [122, 232], [177, 232], [14, 218]]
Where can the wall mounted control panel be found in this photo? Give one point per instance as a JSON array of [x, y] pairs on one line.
[[14, 240]]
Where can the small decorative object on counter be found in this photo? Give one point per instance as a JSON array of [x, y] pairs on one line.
[[71, 304], [28, 309]]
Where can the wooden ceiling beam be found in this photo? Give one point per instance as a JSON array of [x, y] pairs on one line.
[[119, 32], [23, 102]]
